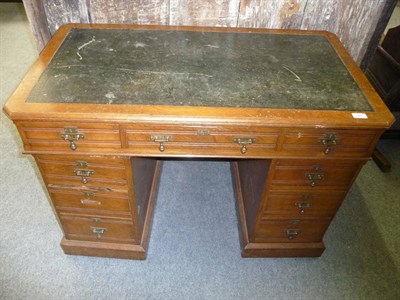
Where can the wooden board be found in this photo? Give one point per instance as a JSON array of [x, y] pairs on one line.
[[353, 21], [129, 12], [63, 11], [204, 13], [38, 21], [358, 23]]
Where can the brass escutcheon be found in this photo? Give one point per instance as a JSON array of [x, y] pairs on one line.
[[89, 194], [97, 220], [203, 132], [306, 196], [81, 163], [294, 222]]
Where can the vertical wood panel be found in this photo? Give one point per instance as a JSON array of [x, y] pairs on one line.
[[204, 12], [61, 12], [353, 21], [325, 16], [130, 12], [37, 19], [358, 21], [271, 14]]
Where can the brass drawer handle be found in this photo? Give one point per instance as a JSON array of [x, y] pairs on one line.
[[84, 174], [244, 142], [292, 233], [302, 206], [98, 231], [161, 139], [90, 202], [313, 177], [71, 134], [328, 140]]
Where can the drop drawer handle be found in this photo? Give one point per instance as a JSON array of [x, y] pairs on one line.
[[292, 233], [98, 231], [71, 134], [84, 174], [161, 139], [314, 177], [328, 140], [244, 142]]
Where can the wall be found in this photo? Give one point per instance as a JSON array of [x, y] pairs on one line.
[[354, 21]]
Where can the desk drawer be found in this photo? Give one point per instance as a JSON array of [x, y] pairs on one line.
[[291, 230], [314, 174], [93, 183], [84, 167], [99, 228], [173, 140], [71, 137], [329, 142], [303, 204], [89, 200]]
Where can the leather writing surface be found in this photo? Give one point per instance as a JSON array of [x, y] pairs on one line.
[[188, 68]]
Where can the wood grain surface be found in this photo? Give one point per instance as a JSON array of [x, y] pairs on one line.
[[355, 22]]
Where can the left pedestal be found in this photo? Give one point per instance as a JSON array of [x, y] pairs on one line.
[[104, 204]]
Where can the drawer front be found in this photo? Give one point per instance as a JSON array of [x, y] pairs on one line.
[[312, 174], [173, 140], [303, 204], [71, 137], [85, 160], [92, 172], [98, 228], [90, 201], [329, 142], [60, 181], [83, 167], [291, 230]]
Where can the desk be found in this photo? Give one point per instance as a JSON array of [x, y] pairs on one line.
[[104, 104]]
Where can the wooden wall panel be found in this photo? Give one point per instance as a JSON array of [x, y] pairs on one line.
[[38, 22], [204, 12], [325, 17], [354, 21], [129, 12], [358, 21], [61, 12], [271, 14]]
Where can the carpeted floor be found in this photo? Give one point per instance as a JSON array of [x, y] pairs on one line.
[[194, 249]]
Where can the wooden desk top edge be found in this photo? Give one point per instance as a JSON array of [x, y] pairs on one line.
[[17, 109]]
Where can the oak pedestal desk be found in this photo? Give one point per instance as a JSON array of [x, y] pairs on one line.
[[104, 104]]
